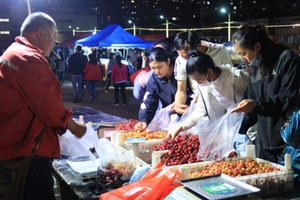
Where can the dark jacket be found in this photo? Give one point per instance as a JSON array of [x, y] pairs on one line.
[[77, 63], [158, 89], [273, 97]]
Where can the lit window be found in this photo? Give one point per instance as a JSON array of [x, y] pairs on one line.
[[4, 32], [4, 20]]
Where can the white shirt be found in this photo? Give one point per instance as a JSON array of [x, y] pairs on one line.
[[217, 52], [223, 92]]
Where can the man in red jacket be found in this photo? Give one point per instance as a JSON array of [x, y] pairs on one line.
[[31, 100]]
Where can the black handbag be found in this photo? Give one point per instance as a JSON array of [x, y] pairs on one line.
[[13, 173]]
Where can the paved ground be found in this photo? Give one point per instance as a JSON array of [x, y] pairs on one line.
[[104, 101]]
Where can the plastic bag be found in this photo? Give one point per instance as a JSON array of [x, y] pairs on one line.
[[216, 140], [162, 120], [290, 132], [295, 159], [116, 168], [156, 184], [165, 121], [72, 146]]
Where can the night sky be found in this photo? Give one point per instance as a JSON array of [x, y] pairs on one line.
[[74, 3]]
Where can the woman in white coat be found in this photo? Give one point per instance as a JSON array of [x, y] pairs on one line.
[[219, 88]]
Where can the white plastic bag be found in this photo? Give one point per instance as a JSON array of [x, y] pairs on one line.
[[216, 140], [165, 121], [161, 120], [72, 146]]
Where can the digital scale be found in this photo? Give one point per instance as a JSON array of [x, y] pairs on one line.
[[218, 186]]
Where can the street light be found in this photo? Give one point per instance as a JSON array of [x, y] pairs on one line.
[[223, 10], [130, 22], [167, 25]]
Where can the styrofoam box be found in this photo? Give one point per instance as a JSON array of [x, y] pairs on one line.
[[137, 161], [269, 183], [144, 147]]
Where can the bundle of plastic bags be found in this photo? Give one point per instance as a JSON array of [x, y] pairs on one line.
[[156, 184]]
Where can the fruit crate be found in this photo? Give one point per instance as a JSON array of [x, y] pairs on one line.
[[142, 150], [137, 161], [268, 183], [272, 182]]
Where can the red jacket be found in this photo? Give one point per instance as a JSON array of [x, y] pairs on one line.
[[118, 74], [92, 72], [135, 74], [31, 99]]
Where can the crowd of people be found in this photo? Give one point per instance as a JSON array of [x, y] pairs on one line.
[[178, 72]]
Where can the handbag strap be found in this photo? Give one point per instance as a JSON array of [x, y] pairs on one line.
[[37, 141]]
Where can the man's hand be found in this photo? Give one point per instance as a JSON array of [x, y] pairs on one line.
[[77, 129], [141, 126], [245, 106]]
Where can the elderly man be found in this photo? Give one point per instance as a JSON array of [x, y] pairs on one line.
[[30, 105]]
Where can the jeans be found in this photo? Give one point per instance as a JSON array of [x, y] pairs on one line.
[[39, 182], [117, 86], [91, 88], [61, 76], [77, 89]]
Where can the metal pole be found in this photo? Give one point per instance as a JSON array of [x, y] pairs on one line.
[[229, 28], [167, 28], [134, 33], [28, 6]]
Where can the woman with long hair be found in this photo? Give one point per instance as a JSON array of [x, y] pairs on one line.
[[273, 87], [219, 88], [119, 74]]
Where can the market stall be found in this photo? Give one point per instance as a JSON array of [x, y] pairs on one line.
[[237, 176]]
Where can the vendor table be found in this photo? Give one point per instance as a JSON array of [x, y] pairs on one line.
[[74, 181], [71, 182], [74, 184]]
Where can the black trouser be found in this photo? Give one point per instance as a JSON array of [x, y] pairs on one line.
[[108, 81], [123, 93], [39, 182]]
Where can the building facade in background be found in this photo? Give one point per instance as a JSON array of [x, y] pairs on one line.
[[200, 15]]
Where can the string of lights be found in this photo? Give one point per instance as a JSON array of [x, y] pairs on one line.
[[193, 29]]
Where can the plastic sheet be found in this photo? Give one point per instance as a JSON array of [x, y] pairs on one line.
[[93, 115]]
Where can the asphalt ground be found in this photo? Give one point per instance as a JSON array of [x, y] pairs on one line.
[[104, 101]]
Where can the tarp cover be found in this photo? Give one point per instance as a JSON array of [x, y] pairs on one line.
[[114, 35]]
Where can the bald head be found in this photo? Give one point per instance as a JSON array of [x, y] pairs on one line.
[[35, 21], [40, 30]]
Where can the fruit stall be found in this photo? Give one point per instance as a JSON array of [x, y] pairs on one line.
[[231, 176]]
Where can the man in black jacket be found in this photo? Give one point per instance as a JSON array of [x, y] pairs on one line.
[[77, 63]]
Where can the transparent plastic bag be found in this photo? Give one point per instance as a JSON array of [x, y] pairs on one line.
[[165, 121], [161, 120], [115, 168], [217, 139]]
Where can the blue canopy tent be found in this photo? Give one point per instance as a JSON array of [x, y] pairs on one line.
[[114, 36]]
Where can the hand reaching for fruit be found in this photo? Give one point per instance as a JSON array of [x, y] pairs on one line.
[[141, 126], [173, 133]]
